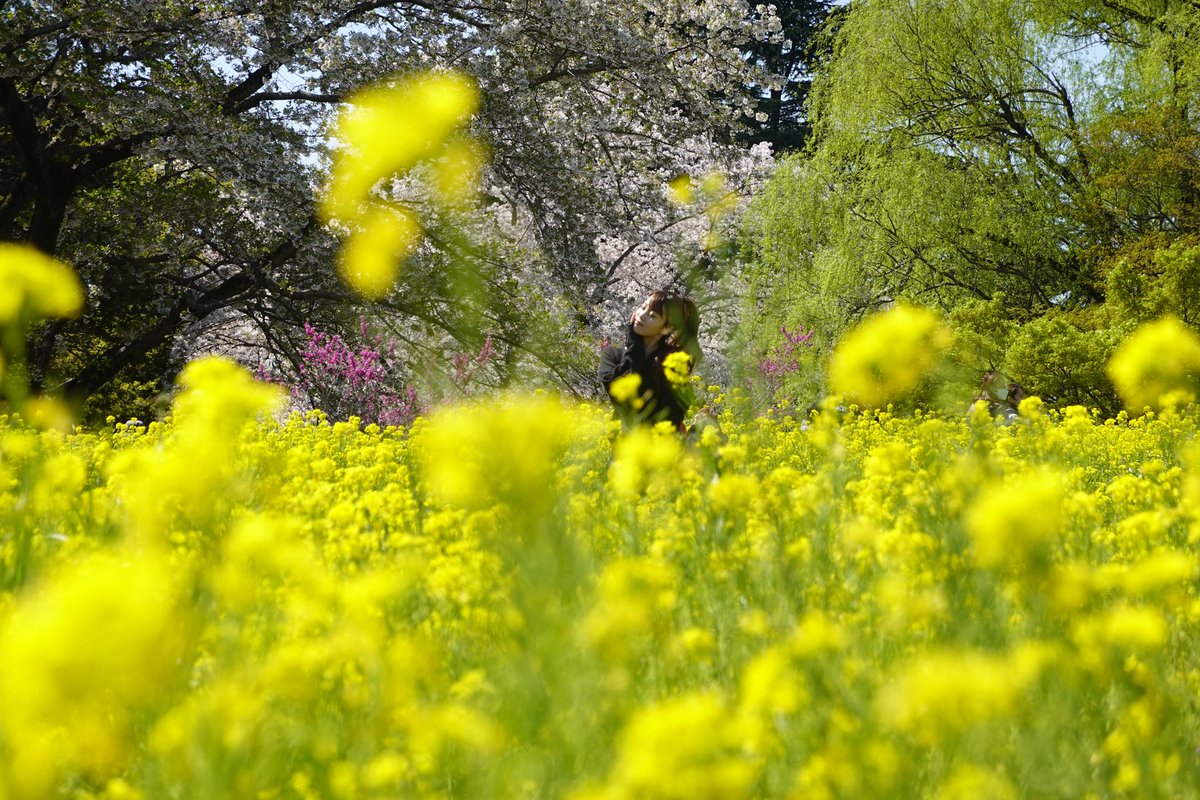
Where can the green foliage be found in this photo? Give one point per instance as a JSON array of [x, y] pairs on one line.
[[1063, 354], [1001, 162], [983, 331], [125, 399], [1155, 278]]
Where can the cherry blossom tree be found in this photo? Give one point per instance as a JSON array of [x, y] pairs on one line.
[[172, 150]]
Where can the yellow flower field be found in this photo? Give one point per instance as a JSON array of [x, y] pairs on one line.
[[516, 600]]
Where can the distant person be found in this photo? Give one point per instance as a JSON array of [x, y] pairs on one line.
[[663, 324], [1003, 397]]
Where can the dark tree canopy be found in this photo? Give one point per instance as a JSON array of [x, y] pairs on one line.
[[781, 118]]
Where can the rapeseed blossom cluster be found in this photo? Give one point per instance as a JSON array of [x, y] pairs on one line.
[[888, 355], [36, 285], [1159, 365], [386, 131]]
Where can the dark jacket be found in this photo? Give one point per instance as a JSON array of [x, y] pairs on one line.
[[660, 399]]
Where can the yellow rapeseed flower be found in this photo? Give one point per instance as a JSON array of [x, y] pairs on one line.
[[221, 396], [972, 782], [644, 458], [770, 684], [625, 390], [37, 283], [218, 399], [686, 747], [381, 240], [478, 454], [1158, 365], [82, 653], [681, 190], [385, 131], [634, 595], [49, 414], [949, 691], [390, 128], [1014, 523], [1123, 628], [1158, 570], [888, 355], [678, 368]]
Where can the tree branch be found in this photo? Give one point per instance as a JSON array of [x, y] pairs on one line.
[[29, 34], [559, 73], [232, 289], [237, 98], [97, 157], [1018, 129], [269, 97]]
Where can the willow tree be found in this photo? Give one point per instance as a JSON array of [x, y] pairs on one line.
[[979, 150]]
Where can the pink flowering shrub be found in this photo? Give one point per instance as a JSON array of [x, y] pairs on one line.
[[359, 379], [344, 380], [783, 359]]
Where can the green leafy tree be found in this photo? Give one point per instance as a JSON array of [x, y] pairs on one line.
[[976, 149]]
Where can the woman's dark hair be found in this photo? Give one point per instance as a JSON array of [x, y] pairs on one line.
[[683, 318], [656, 300]]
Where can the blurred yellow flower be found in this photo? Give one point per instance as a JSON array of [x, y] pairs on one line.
[[1015, 522], [888, 355], [949, 691], [390, 128], [1158, 570], [1123, 628], [378, 243], [645, 458], [681, 190], [220, 395], [457, 170], [31, 280], [634, 595], [475, 455], [816, 635], [972, 782], [695, 643], [683, 748], [771, 685], [1158, 365], [385, 131], [49, 414], [624, 390], [82, 654]]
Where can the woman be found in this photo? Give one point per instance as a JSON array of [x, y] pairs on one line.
[[1002, 396], [663, 324]]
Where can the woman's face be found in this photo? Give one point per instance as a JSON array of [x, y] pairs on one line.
[[647, 322]]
